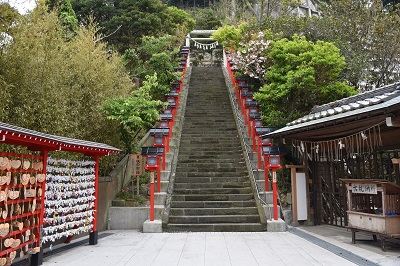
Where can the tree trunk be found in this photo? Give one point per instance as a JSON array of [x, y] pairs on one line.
[[233, 11]]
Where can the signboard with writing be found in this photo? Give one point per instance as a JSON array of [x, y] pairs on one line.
[[364, 188]]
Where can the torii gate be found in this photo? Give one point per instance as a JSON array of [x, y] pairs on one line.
[[196, 39], [209, 56]]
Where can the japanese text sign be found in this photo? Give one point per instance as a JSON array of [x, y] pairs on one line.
[[364, 188]]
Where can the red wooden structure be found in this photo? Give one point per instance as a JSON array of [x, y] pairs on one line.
[[22, 208]]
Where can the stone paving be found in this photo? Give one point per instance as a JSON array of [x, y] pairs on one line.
[[255, 248]]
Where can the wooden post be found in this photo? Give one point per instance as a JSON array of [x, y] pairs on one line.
[[134, 170], [93, 236], [37, 259], [294, 191], [266, 183], [294, 196], [259, 151], [159, 175], [166, 143], [274, 194]]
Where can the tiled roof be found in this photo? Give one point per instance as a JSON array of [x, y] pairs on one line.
[[356, 102], [23, 135], [377, 100]]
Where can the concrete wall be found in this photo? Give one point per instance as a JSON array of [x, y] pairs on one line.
[[107, 192], [108, 189], [128, 218]]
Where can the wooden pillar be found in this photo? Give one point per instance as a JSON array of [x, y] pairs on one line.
[[37, 259], [93, 236], [294, 191], [152, 194]]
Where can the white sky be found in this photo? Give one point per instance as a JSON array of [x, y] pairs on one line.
[[23, 6]]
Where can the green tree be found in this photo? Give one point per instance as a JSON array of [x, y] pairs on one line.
[[155, 55], [367, 34], [56, 86], [8, 17], [303, 74], [93, 74], [230, 36], [125, 22], [262, 9], [206, 18], [66, 15], [135, 113]]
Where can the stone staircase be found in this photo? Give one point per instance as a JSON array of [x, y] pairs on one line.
[[212, 190]]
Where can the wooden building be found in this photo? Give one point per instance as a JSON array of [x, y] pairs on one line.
[[44, 199], [352, 138]]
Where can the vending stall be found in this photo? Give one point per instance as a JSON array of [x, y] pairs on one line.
[[373, 207], [44, 199]]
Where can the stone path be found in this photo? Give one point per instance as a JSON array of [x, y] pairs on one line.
[[205, 248]]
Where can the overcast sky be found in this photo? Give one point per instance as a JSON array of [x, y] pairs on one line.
[[23, 6]]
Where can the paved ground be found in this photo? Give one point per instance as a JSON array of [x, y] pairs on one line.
[[365, 247], [135, 248], [314, 245]]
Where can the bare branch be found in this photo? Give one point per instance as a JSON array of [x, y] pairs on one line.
[[108, 34]]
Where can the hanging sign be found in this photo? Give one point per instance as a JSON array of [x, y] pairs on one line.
[[364, 188], [204, 46]]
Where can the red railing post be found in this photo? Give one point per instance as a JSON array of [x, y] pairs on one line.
[[152, 195], [274, 194], [93, 236], [158, 175]]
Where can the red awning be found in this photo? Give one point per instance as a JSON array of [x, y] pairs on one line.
[[38, 141]]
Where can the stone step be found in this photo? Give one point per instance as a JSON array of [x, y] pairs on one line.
[[211, 168], [212, 146], [197, 191], [232, 175], [213, 204], [210, 140], [211, 150], [223, 227], [209, 125], [212, 197], [210, 134], [192, 160], [192, 120], [213, 211], [210, 180], [211, 111], [212, 189], [212, 163], [207, 130], [212, 117], [204, 219], [202, 156], [212, 185]]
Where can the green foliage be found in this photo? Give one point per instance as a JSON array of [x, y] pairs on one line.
[[144, 180], [155, 55], [125, 22], [134, 113], [66, 14], [365, 32], [229, 36], [303, 74], [55, 86], [124, 195], [206, 18], [8, 15], [256, 47]]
